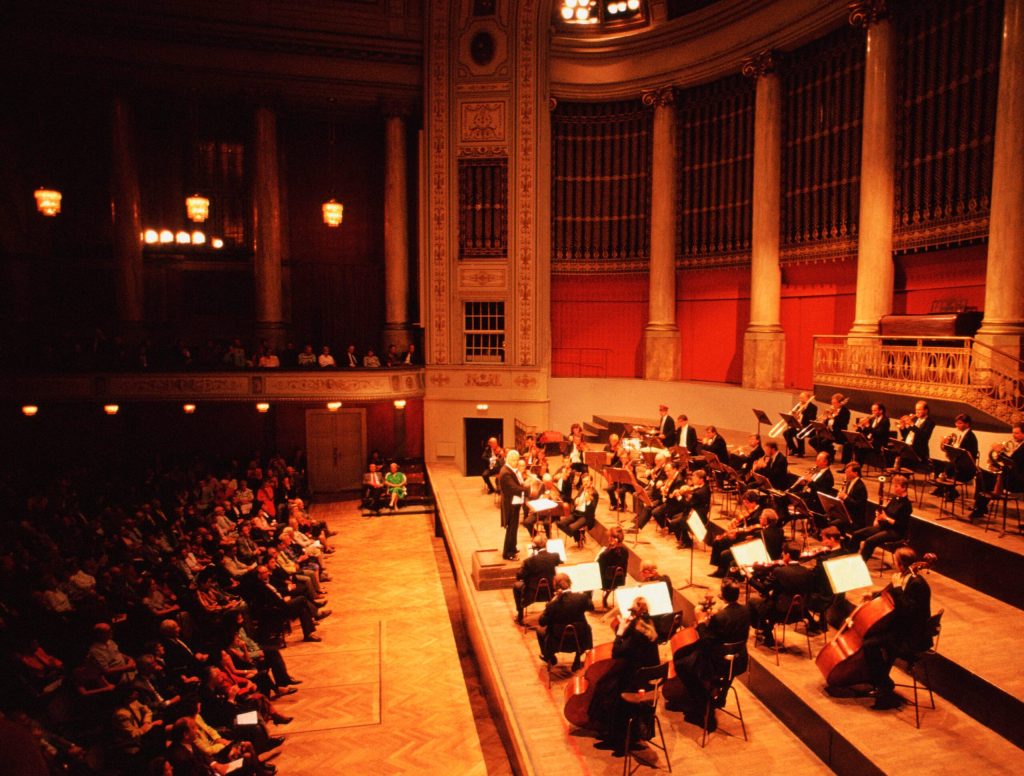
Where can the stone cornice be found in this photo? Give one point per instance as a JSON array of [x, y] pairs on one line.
[[698, 48], [337, 385]]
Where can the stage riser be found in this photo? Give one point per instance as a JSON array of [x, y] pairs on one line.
[[819, 736]]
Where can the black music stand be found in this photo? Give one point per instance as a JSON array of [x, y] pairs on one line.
[[762, 417], [597, 459], [903, 453], [791, 421], [835, 511], [962, 461], [698, 533], [625, 477], [798, 508]]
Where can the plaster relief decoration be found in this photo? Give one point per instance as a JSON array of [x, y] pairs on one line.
[[525, 381], [472, 278], [483, 51], [438, 150], [526, 83], [439, 380], [482, 122], [483, 380], [174, 385]]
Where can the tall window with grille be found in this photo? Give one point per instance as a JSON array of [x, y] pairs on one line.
[[221, 177], [484, 331]]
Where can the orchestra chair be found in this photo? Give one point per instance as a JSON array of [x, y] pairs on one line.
[[947, 507], [1002, 501], [912, 660], [563, 642], [889, 547], [796, 613], [642, 703], [719, 696], [542, 594]]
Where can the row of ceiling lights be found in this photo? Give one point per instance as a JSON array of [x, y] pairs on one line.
[[31, 410], [48, 202]]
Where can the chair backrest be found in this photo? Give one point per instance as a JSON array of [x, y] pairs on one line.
[[652, 678], [569, 630], [732, 650], [543, 590]]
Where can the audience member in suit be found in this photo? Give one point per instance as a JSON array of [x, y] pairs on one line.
[[795, 445], [513, 492], [566, 608], [687, 435], [919, 433], [267, 602], [700, 669], [180, 661], [666, 427], [1012, 467], [539, 566], [854, 495], [891, 524], [613, 561]]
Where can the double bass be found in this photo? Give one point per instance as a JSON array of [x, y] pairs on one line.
[[841, 661], [682, 641], [579, 692]]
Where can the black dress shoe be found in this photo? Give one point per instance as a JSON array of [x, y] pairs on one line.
[[768, 639], [718, 573], [291, 681], [312, 637], [323, 614], [886, 700], [273, 742]]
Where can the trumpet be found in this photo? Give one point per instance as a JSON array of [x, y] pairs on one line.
[[864, 423], [831, 412], [906, 421]]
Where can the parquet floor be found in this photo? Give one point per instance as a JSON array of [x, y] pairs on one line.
[[384, 692]]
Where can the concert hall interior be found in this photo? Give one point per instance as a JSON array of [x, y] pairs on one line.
[[697, 325]]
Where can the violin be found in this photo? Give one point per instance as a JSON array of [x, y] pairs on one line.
[[841, 661]]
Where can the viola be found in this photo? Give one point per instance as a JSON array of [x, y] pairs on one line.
[[579, 692], [841, 661]]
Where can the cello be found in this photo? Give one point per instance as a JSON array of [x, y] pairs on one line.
[[841, 661]]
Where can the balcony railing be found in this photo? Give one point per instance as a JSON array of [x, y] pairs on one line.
[[961, 370]]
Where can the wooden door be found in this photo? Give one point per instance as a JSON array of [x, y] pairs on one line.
[[336, 442]]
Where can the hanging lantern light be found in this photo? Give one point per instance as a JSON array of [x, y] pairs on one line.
[[48, 201], [198, 208], [334, 211]]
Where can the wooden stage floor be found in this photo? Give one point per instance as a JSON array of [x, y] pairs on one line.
[[979, 632], [384, 692]]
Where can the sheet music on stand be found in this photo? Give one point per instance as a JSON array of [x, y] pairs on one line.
[[791, 421], [748, 553], [698, 530], [596, 459], [584, 576], [904, 452], [847, 572], [834, 509], [656, 593], [543, 505], [557, 546]]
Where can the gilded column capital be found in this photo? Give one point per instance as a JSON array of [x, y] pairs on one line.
[[660, 97], [865, 13], [760, 64]]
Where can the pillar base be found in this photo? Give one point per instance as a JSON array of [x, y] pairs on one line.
[[764, 359], [661, 353], [274, 332], [864, 328], [397, 334]]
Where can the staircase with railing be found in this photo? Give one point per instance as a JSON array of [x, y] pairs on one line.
[[957, 370]]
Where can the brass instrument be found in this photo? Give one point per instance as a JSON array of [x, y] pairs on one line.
[[802, 480], [864, 423], [906, 421], [999, 455], [831, 412]]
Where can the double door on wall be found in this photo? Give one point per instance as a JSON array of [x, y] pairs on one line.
[[336, 445]]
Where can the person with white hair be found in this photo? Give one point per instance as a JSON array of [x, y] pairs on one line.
[[513, 492]]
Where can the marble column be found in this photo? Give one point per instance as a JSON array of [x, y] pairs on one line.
[[396, 232], [1003, 326], [764, 342], [875, 269], [125, 208], [269, 309], [661, 335]]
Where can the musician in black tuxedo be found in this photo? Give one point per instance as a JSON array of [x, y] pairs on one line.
[[822, 603], [818, 481], [566, 608], [583, 515], [701, 668], [806, 411], [539, 566], [837, 420], [687, 435], [919, 433], [715, 443], [493, 457], [854, 495], [697, 500], [907, 632], [778, 586], [613, 560], [773, 465], [878, 427], [1011, 465], [748, 521], [669, 480], [960, 469], [666, 427], [891, 524], [743, 461], [513, 492]]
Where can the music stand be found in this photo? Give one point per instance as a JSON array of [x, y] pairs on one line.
[[857, 439], [656, 593], [596, 459], [711, 459], [800, 511], [645, 499], [822, 430], [791, 421], [762, 417], [835, 510], [698, 533], [903, 453]]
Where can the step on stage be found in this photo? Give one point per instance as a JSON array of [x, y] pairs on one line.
[[793, 725]]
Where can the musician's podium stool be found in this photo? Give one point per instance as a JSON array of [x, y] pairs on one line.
[[641, 703], [912, 660], [720, 698]]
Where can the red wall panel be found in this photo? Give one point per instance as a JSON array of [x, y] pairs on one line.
[[955, 275], [597, 325], [712, 309]]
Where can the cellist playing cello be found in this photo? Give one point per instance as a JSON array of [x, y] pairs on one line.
[[907, 631]]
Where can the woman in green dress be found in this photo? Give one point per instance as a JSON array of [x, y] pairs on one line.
[[396, 485]]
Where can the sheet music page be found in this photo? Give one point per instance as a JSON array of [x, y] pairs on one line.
[[247, 718], [696, 526], [584, 576], [234, 765], [557, 546], [847, 572], [746, 554], [517, 500], [656, 593], [542, 504]]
